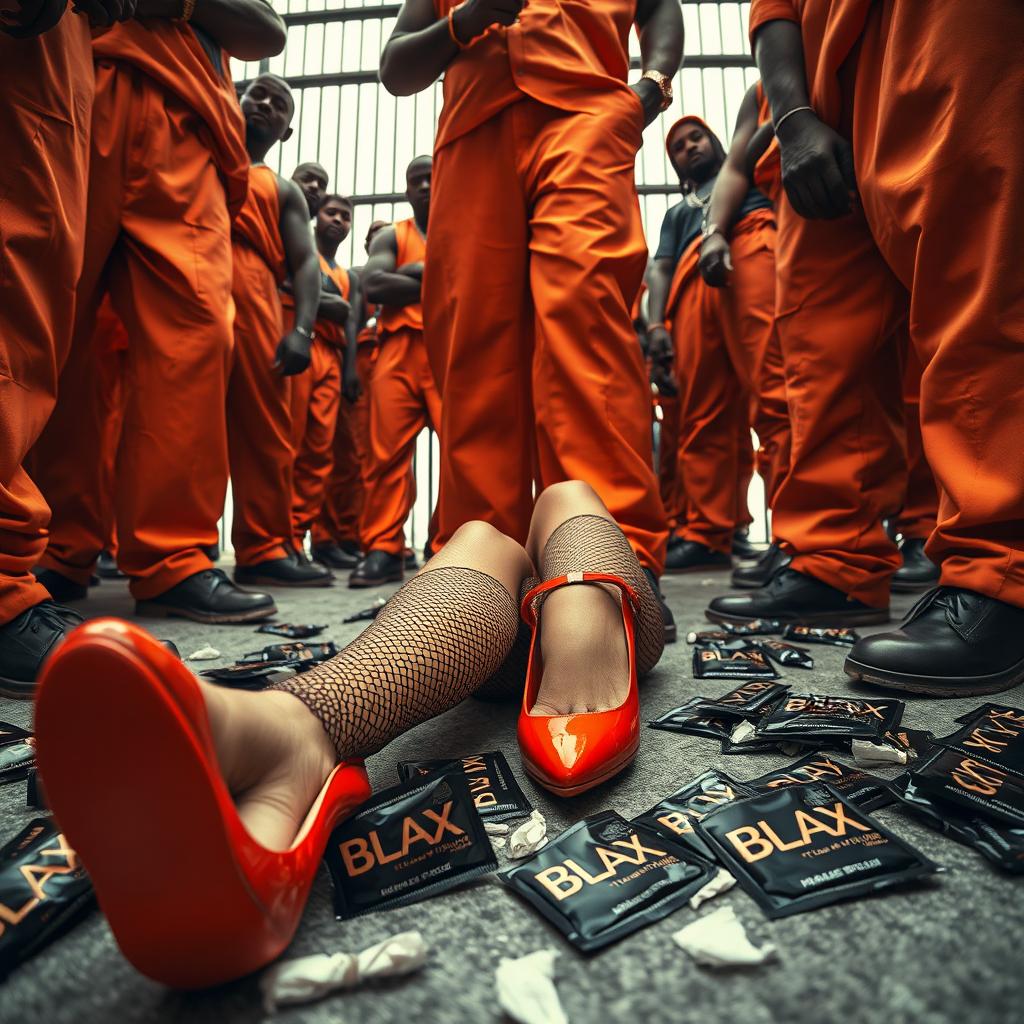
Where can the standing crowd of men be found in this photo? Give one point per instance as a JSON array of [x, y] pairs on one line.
[[840, 279]]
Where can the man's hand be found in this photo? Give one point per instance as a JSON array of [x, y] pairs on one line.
[[292, 354], [817, 167], [715, 260], [158, 8], [103, 13], [662, 357], [31, 17], [650, 96], [351, 386], [476, 16]]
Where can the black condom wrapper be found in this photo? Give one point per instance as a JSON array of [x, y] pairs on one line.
[[407, 843], [367, 614], [496, 791], [994, 733], [674, 816], [807, 717], [971, 783], [687, 721], [753, 627], [244, 677], [801, 847], [35, 794], [43, 891], [999, 843], [17, 759], [297, 655], [291, 630], [707, 635], [747, 701], [12, 734], [605, 878], [967, 716], [868, 792], [785, 654], [845, 637], [733, 659]]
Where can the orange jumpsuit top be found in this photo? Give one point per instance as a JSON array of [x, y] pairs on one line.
[[412, 248], [768, 169], [330, 332], [258, 224], [187, 63], [568, 55], [830, 30]]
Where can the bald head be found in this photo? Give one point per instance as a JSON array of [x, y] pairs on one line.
[[417, 187]]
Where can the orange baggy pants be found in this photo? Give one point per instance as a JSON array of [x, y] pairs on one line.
[[528, 319], [921, 505], [316, 395], [730, 378], [403, 400], [259, 415], [668, 461], [44, 127], [158, 238]]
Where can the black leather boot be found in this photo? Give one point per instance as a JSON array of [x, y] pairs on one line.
[[953, 643], [27, 641], [292, 571], [693, 557], [208, 596], [106, 567], [376, 568], [918, 571], [345, 555], [62, 589], [743, 547], [772, 560], [666, 612], [791, 596]]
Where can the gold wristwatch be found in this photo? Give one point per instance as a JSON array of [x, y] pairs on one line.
[[664, 84]]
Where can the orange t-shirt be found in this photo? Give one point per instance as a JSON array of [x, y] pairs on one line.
[[574, 56], [171, 54], [412, 248], [258, 224], [768, 170]]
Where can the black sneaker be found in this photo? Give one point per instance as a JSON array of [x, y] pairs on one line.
[[209, 596], [953, 643], [376, 568], [106, 567], [27, 641], [918, 571], [772, 560], [743, 547], [666, 613], [792, 596], [292, 571], [693, 557], [62, 589], [345, 555]]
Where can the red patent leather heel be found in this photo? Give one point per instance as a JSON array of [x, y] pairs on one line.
[[569, 754], [128, 762]]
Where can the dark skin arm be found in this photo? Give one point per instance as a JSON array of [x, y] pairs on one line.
[[660, 28], [817, 162], [385, 282], [292, 354], [31, 18], [659, 341], [247, 29], [351, 386]]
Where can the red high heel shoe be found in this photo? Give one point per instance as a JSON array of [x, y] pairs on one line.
[[125, 750], [569, 754]]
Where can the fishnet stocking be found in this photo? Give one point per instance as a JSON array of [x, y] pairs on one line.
[[507, 683], [432, 645]]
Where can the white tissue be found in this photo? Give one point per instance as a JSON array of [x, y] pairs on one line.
[[206, 653], [743, 733], [526, 989], [313, 977], [722, 882], [529, 837], [719, 940], [867, 754], [497, 828]]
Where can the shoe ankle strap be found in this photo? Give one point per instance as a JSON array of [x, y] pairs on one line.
[[528, 607]]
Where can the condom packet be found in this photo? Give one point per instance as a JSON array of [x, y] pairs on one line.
[[810, 717], [35, 794], [967, 716], [786, 655], [845, 637], [605, 878], [733, 659], [997, 842], [966, 781], [747, 701], [297, 655], [12, 734], [367, 614], [496, 791], [673, 817], [868, 792], [16, 759], [43, 891], [993, 733], [406, 843], [246, 677], [685, 720], [291, 630], [703, 637], [752, 627], [800, 847]]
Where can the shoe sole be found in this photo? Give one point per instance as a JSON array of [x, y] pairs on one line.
[[629, 756], [153, 610], [366, 584], [738, 585], [271, 581], [913, 588], [12, 689], [836, 620], [937, 686]]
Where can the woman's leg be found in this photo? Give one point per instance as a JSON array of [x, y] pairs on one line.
[[435, 642], [582, 642]]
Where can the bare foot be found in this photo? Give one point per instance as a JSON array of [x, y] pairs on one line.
[[274, 756], [583, 647]]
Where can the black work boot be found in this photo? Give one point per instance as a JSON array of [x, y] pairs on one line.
[[376, 568], [411, 564], [773, 559], [693, 557], [292, 571], [208, 596], [918, 571], [106, 567], [666, 613], [344, 555], [953, 643], [62, 588], [791, 596], [27, 641], [743, 547]]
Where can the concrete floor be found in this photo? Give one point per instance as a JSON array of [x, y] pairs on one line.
[[945, 951]]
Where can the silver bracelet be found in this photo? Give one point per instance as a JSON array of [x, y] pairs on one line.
[[782, 120]]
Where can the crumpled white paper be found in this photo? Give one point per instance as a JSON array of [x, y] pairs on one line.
[[497, 828], [743, 733], [206, 653], [722, 882], [867, 754], [526, 988], [529, 837], [312, 977], [719, 940]]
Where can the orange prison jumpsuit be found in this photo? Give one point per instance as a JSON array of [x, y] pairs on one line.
[[45, 107], [403, 400], [316, 396], [167, 165], [921, 505], [536, 254], [930, 96], [259, 399]]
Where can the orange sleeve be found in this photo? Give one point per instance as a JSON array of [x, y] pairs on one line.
[[762, 11]]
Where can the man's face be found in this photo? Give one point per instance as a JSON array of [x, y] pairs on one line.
[[417, 186], [267, 106], [693, 154], [334, 221], [313, 181]]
